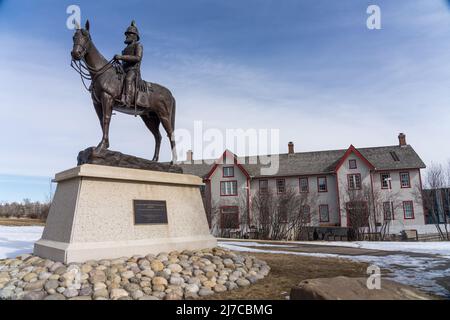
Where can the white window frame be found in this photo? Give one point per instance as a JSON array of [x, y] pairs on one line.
[[300, 184], [352, 181], [228, 188], [226, 169]]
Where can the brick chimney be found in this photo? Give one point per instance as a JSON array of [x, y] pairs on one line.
[[189, 155], [402, 139], [290, 147]]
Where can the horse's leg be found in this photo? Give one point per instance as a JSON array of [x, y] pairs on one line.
[[99, 111], [165, 120], [107, 104], [152, 122]]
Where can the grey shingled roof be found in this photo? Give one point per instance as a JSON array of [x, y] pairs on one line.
[[321, 162]]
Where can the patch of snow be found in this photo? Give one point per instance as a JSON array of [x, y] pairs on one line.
[[228, 246], [436, 247], [419, 272], [15, 241], [258, 244]]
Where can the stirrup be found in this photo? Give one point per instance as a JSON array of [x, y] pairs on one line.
[[119, 103], [122, 103]]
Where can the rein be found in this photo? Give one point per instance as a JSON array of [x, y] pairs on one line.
[[85, 70]]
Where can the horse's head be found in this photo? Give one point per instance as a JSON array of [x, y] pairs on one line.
[[81, 42]]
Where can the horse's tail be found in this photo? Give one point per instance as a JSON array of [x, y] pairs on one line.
[[174, 108]]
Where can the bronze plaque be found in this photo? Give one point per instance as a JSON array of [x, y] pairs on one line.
[[150, 211]]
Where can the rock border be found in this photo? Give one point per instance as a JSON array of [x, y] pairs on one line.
[[170, 276]]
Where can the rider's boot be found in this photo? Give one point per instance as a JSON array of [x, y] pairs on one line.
[[122, 101], [128, 95]]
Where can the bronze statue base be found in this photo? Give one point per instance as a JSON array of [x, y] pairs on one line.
[[118, 159], [104, 212]]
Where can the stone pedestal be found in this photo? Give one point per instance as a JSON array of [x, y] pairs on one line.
[[92, 214]]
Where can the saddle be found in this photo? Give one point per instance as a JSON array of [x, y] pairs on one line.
[[141, 90]]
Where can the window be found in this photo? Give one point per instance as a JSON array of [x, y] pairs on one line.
[[305, 214], [229, 217], [354, 181], [263, 186], [388, 210], [304, 185], [228, 188], [385, 179], [228, 172], [404, 180], [352, 164], [324, 215], [281, 185], [408, 209], [322, 184]]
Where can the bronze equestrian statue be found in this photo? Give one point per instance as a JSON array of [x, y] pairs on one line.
[[154, 103]]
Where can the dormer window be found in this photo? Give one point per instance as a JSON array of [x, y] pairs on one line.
[[352, 164], [228, 172]]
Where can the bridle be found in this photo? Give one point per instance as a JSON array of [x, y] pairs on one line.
[[85, 70]]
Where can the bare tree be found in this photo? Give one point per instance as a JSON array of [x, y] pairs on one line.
[[263, 206], [25, 209], [436, 195], [366, 212], [383, 207], [229, 219], [358, 212], [281, 216]]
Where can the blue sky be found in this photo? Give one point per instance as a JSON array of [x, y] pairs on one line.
[[309, 68]]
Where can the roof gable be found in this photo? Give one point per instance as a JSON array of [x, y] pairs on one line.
[[353, 150], [227, 154]]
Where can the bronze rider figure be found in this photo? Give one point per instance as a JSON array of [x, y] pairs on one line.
[[131, 62]]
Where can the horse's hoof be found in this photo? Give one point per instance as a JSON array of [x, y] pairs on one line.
[[101, 147]]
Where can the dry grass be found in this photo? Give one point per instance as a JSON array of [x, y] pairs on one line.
[[287, 271], [21, 222]]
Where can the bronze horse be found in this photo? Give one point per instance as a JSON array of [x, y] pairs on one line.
[[157, 104]]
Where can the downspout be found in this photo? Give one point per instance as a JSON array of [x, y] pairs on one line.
[[421, 197], [338, 199], [373, 201], [248, 202], [209, 200]]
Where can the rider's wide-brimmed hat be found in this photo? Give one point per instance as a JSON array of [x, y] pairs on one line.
[[133, 29]]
